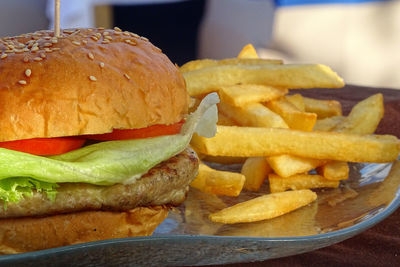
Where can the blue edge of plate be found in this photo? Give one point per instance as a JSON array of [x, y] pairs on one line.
[[332, 237]]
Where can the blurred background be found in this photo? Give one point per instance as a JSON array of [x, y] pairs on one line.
[[359, 39]]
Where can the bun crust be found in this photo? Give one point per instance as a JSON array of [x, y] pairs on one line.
[[89, 81], [30, 234]]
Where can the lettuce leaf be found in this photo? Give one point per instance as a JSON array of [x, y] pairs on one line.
[[106, 163], [14, 189]]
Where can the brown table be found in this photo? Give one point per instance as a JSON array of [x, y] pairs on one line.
[[379, 245]]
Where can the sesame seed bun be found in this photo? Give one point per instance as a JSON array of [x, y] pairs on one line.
[[88, 81]]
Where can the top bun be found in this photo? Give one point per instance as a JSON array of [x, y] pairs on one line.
[[88, 81]]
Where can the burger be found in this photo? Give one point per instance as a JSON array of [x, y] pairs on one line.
[[94, 137]]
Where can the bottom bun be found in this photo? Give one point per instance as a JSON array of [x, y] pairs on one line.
[[29, 234]]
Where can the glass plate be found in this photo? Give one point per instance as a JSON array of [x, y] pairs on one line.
[[187, 237]]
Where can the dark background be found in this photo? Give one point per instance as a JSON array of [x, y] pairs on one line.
[[171, 26]]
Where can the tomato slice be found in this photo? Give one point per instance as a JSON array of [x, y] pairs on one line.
[[60, 145], [151, 131], [45, 146]]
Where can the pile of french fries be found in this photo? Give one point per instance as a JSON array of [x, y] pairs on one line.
[[296, 143]]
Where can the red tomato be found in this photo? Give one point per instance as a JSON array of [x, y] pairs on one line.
[[60, 145], [45, 146], [151, 131]]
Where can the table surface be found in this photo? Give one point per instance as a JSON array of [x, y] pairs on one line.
[[379, 245]]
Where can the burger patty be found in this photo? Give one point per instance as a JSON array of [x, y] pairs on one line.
[[166, 183]]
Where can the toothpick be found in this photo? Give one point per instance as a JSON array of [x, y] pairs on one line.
[[57, 18]]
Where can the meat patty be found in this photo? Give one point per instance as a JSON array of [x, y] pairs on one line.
[[166, 183]]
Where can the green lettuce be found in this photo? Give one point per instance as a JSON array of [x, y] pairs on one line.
[[104, 163], [14, 189]]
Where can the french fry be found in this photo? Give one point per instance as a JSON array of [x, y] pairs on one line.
[[256, 171], [294, 118], [288, 165], [206, 80], [297, 101], [299, 181], [225, 120], [364, 117], [256, 115], [218, 182], [242, 94], [301, 222], [257, 142], [323, 108], [334, 170], [205, 63], [264, 207], [248, 51], [328, 124]]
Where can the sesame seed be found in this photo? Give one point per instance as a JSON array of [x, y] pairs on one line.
[[105, 41], [127, 76], [34, 48], [106, 33], [22, 82], [48, 50], [76, 43], [28, 72], [101, 64], [94, 38], [55, 49], [92, 78], [38, 59], [54, 41], [117, 29], [19, 51], [108, 37], [42, 55], [100, 28], [48, 44], [9, 51], [26, 59], [126, 33], [84, 41], [144, 38], [3, 56], [90, 55], [135, 35]]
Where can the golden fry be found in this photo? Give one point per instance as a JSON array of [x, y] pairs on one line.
[[205, 63], [364, 117], [256, 115], [256, 171], [288, 165], [209, 79], [242, 94], [297, 101], [257, 142], [264, 207], [248, 51], [294, 118], [225, 120], [323, 108], [299, 181], [218, 182], [334, 170], [328, 124]]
